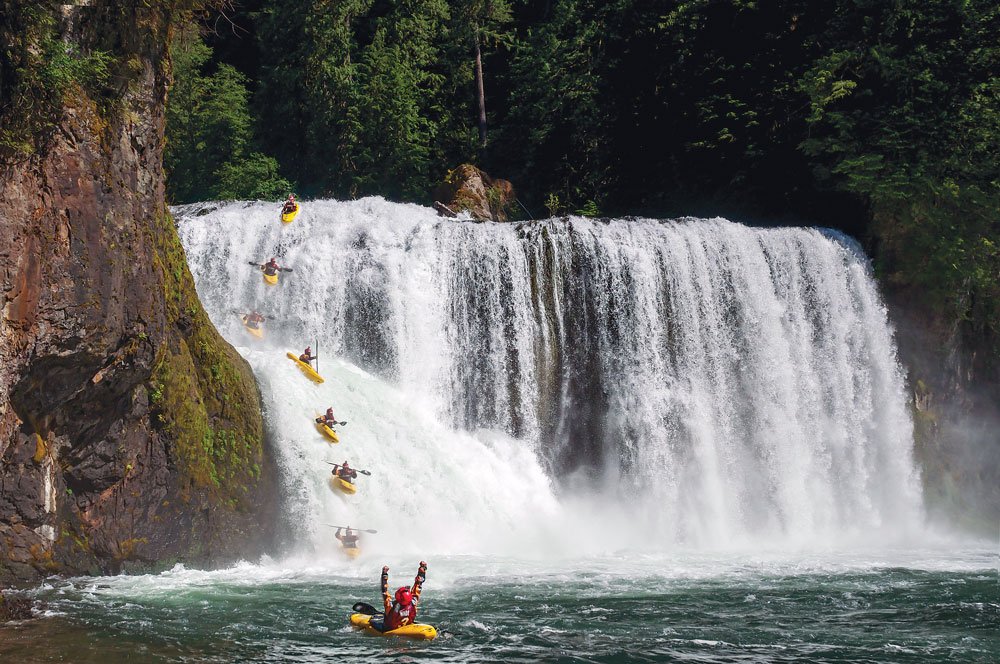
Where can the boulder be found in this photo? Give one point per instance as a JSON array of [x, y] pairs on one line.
[[470, 189]]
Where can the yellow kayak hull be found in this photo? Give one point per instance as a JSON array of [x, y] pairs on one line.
[[271, 278], [254, 331], [306, 369], [414, 631], [343, 485], [328, 432], [351, 553], [290, 216]]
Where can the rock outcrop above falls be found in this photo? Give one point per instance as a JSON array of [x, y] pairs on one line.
[[130, 431], [469, 189]]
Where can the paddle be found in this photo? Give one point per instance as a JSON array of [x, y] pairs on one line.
[[317, 355], [261, 266], [363, 472], [365, 609], [360, 530]]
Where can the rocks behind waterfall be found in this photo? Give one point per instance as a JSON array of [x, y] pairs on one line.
[[469, 188]]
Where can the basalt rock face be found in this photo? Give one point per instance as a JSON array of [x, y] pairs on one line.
[[130, 432], [955, 384]]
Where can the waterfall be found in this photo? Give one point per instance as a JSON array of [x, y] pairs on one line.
[[702, 381]]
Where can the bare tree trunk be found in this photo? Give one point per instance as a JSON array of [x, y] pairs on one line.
[[480, 94]]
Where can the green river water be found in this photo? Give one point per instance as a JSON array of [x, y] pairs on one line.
[[897, 606]]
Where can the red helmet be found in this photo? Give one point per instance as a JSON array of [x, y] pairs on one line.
[[403, 595], [344, 464], [308, 348]]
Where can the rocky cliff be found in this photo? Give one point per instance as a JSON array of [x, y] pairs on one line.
[[130, 432], [955, 386]]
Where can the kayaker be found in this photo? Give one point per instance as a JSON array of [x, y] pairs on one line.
[[289, 205], [329, 419], [307, 355], [349, 540], [253, 320], [271, 267], [401, 609], [345, 472]]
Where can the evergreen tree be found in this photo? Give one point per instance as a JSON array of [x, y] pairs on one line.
[[208, 131]]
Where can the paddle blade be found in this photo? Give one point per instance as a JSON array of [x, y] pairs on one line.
[[364, 608], [364, 472]]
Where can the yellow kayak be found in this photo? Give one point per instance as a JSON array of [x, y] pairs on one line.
[[351, 553], [414, 631], [306, 369], [271, 278], [328, 432], [289, 216], [255, 331], [343, 485]]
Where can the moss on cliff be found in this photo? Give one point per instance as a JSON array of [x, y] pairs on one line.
[[202, 392]]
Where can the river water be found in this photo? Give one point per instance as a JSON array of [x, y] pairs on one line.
[[926, 605], [612, 441]]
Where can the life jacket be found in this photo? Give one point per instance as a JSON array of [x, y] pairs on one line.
[[270, 268], [399, 616]]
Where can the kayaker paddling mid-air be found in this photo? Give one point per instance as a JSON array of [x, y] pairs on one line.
[[271, 267], [345, 472], [289, 210], [253, 319], [329, 419], [307, 356], [349, 540]]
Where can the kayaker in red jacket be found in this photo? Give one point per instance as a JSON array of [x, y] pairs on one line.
[[289, 205], [401, 609], [271, 267], [348, 540], [329, 419], [253, 319], [307, 355], [345, 472]]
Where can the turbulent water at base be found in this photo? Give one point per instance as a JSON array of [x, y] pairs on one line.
[[613, 441]]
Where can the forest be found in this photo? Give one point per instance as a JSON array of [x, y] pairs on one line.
[[878, 118]]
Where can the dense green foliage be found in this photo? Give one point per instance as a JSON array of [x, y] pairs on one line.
[[882, 118], [209, 131], [36, 69]]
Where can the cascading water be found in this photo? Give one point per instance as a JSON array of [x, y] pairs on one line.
[[718, 384]]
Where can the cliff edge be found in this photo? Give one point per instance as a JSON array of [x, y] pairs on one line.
[[130, 431]]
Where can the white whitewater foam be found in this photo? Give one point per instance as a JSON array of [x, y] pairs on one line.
[[692, 382]]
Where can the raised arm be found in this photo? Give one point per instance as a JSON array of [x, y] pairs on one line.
[[418, 581], [386, 597]]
